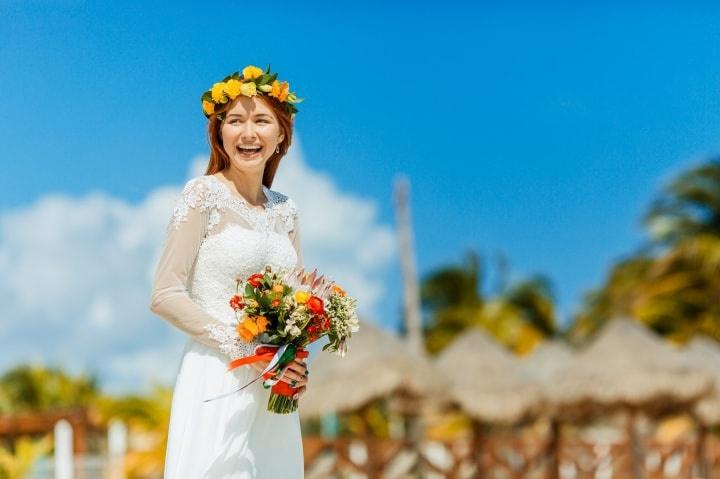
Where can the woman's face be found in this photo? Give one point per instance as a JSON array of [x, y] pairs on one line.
[[250, 133]]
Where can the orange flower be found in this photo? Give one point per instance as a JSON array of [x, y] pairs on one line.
[[208, 107], [262, 324], [244, 333], [337, 289], [280, 90], [278, 288]]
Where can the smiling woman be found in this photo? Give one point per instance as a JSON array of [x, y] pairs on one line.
[[267, 114], [229, 224]]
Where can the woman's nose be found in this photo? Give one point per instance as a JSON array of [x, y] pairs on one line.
[[248, 130]]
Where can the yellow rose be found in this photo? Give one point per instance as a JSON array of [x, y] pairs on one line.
[[302, 296], [232, 88], [251, 72], [208, 107], [280, 90], [218, 92], [248, 89]]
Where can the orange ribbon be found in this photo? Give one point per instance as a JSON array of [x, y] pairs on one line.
[[267, 353]]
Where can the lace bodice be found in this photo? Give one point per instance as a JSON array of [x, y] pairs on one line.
[[213, 237]]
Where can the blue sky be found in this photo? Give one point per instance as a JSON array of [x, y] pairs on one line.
[[541, 130]]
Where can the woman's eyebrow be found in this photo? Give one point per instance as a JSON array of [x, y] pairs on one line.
[[240, 115]]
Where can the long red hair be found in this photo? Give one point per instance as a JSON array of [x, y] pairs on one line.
[[219, 159]]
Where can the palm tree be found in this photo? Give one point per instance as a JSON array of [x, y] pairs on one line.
[[17, 464], [37, 388], [517, 316], [689, 206], [615, 298], [535, 301], [679, 295], [672, 284], [451, 296]]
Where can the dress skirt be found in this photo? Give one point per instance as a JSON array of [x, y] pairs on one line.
[[234, 437]]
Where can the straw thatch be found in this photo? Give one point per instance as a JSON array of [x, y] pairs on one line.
[[547, 362], [703, 354], [377, 365], [627, 364], [486, 379]]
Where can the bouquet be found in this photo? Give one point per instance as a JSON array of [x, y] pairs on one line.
[[285, 311]]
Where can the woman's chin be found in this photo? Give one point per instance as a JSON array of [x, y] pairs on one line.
[[257, 161]]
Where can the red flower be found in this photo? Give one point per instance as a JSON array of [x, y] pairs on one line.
[[255, 279], [275, 303], [236, 302], [315, 305], [326, 324]]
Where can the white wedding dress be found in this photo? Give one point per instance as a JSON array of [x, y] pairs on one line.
[[213, 237]]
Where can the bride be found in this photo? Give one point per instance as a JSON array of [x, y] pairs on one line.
[[226, 224]]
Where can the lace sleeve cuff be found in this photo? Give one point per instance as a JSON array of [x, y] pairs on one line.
[[228, 342]]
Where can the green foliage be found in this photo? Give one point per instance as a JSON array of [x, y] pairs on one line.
[[688, 207], [18, 463], [517, 316], [37, 388], [673, 284]]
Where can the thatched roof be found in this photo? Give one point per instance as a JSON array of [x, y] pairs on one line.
[[627, 364], [703, 354], [547, 362], [378, 364], [486, 380]]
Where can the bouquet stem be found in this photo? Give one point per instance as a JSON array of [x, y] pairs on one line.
[[281, 404]]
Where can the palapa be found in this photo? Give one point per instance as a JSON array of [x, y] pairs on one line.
[[486, 381], [377, 365], [547, 362], [627, 365], [703, 354]]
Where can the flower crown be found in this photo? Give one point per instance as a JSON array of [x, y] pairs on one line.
[[250, 83]]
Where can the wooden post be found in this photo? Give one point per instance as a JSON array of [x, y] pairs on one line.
[[411, 296], [554, 449], [700, 456], [634, 445], [477, 449]]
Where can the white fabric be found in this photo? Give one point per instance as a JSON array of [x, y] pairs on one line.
[[213, 237]]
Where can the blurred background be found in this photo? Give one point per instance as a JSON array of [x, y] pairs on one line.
[[523, 196]]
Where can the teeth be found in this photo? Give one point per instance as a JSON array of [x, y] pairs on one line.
[[249, 148]]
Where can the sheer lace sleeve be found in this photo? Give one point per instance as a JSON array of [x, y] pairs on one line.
[[194, 213]]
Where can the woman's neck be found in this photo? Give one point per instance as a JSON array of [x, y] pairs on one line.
[[247, 185]]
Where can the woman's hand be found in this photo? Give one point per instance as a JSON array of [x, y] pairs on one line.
[[296, 371]]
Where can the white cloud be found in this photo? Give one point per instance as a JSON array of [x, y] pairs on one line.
[[77, 272]]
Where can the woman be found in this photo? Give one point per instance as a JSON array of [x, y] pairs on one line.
[[228, 224]]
